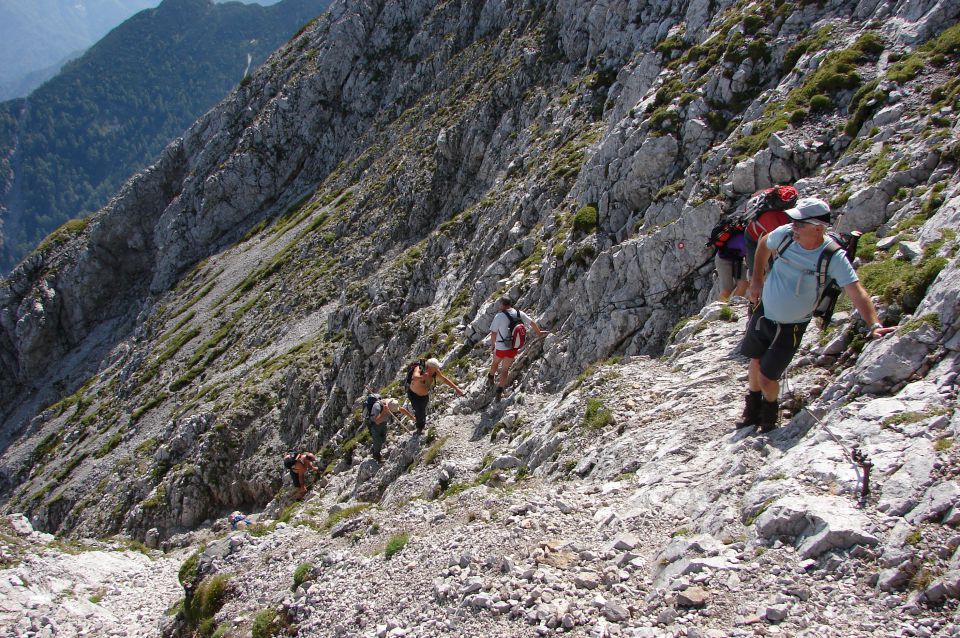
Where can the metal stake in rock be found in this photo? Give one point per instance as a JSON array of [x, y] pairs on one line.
[[865, 464]]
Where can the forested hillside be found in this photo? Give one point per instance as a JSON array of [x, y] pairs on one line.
[[70, 145], [36, 36]]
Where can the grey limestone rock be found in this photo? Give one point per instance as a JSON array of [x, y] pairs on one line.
[[864, 211], [937, 500], [820, 524], [693, 597]]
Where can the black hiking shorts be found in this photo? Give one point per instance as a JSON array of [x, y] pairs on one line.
[[774, 344]]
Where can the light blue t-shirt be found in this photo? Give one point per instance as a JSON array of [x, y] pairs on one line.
[[790, 289]]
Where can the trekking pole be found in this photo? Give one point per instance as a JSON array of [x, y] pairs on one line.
[[866, 465], [860, 461]]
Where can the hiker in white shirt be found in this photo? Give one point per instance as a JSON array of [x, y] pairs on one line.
[[507, 332]]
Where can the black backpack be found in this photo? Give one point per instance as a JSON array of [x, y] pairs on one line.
[[827, 289], [368, 404], [410, 368], [290, 459]]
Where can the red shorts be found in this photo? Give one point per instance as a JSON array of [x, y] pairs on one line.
[[507, 354]]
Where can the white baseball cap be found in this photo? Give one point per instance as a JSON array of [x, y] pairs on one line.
[[810, 210]]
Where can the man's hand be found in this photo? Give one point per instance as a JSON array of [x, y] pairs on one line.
[[878, 333], [754, 291]]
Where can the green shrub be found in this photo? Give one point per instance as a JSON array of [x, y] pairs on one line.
[[395, 545], [344, 514], [820, 103], [947, 43], [753, 23], [669, 190], [300, 575], [188, 570], [597, 415], [867, 246], [842, 198], [677, 327], [815, 42], [207, 599], [109, 446], [865, 102], [663, 119], [927, 319], [717, 120], [901, 282], [585, 220], [836, 72], [265, 624], [67, 231], [434, 450], [758, 50], [798, 116], [726, 314], [668, 45]]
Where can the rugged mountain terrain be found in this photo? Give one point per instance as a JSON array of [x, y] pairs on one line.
[[69, 146], [366, 197]]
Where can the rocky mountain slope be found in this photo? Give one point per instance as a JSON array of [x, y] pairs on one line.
[[364, 200], [646, 516], [66, 148]]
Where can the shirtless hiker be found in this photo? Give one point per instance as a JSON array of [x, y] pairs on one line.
[[422, 380], [306, 462]]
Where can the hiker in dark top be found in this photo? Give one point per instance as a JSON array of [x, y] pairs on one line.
[[305, 462], [502, 347], [785, 302], [381, 414], [729, 262], [422, 381]]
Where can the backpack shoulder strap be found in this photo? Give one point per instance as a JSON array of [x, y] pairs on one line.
[[509, 325], [784, 244], [823, 262]]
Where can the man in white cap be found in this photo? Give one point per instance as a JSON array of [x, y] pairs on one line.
[[382, 413], [785, 300]]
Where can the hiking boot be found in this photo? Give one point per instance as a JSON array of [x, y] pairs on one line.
[[489, 379], [500, 390], [769, 415], [751, 410]]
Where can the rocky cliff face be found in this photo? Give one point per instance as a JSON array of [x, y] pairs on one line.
[[397, 167]]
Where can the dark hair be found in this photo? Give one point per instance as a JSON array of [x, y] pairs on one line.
[[506, 301]]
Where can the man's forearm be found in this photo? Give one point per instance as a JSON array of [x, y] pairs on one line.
[[861, 301]]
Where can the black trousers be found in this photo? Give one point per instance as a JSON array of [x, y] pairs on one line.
[[378, 432], [419, 404]]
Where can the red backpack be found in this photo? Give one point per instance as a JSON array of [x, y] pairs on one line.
[[517, 330], [765, 210]]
